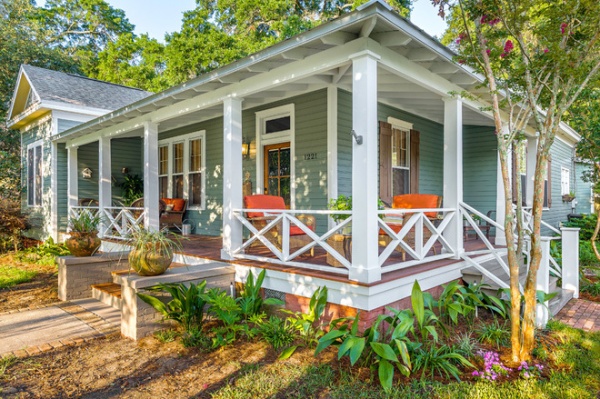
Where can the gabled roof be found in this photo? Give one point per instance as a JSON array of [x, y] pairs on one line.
[[59, 89]]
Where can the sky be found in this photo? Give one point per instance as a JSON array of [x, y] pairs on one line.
[[157, 17]]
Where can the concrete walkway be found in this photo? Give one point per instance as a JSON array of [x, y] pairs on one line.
[[27, 332], [580, 313]]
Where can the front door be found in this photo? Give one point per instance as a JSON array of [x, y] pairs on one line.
[[277, 170]]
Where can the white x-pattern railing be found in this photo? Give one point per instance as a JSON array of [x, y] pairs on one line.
[[417, 236], [279, 222], [121, 222]]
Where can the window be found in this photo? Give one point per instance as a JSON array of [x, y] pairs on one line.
[[275, 122], [34, 174], [400, 161], [181, 164], [520, 152], [564, 181]]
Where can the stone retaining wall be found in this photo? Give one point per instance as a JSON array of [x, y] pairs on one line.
[[77, 274]]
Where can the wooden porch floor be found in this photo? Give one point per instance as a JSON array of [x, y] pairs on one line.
[[209, 247]]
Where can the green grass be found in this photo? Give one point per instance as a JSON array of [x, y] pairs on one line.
[[577, 355], [10, 275]]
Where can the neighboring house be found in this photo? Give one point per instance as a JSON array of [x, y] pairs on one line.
[[283, 120], [46, 103]]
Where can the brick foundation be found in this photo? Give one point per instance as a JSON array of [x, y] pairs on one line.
[[77, 274], [333, 311]]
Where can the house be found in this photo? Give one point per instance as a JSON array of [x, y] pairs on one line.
[[362, 105]]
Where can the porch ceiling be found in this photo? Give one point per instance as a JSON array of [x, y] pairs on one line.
[[375, 26]]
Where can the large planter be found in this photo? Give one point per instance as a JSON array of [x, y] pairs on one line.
[[150, 263], [83, 244]]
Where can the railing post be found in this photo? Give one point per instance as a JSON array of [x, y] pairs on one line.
[[543, 283], [151, 196], [453, 171], [72, 188], [570, 259], [232, 176], [104, 181], [365, 165]]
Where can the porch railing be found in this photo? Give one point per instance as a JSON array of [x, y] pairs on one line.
[[115, 222], [419, 240]]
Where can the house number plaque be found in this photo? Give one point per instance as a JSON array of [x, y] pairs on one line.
[[310, 155]]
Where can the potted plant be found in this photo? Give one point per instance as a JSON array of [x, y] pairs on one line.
[[83, 231], [568, 197], [341, 203], [152, 252]]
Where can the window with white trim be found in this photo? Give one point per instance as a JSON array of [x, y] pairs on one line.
[[276, 121], [34, 174], [181, 168], [564, 181], [400, 156]]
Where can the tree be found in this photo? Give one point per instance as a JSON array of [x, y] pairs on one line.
[[535, 55]]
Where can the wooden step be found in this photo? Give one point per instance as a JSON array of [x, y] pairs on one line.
[[109, 294]]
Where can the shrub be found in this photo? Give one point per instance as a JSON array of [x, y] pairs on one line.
[[44, 254], [494, 333], [250, 300], [276, 331], [12, 222]]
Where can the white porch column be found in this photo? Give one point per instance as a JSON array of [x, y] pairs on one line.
[[232, 175], [365, 167], [151, 195], [530, 169], [570, 259], [105, 177], [72, 176], [453, 170], [543, 284], [500, 198]]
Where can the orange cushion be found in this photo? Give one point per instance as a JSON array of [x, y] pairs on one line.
[[394, 226], [417, 201], [261, 201], [178, 203], [297, 231]]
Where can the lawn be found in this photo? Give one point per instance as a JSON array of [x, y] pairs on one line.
[[11, 276]]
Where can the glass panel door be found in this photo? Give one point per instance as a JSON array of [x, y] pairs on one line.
[[278, 171]]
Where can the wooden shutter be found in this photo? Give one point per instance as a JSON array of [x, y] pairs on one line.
[[385, 162], [549, 181], [415, 139]]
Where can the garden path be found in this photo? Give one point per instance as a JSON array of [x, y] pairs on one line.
[[27, 332], [580, 313]]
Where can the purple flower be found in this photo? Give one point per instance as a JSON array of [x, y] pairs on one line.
[[563, 27]]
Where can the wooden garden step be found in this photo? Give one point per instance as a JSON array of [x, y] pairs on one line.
[[109, 294]]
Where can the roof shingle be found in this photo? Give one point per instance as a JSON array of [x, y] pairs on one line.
[[81, 91]]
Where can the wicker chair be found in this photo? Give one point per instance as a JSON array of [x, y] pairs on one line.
[[298, 237], [412, 201], [88, 202], [173, 213], [139, 203]]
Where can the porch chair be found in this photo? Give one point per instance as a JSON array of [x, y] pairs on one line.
[[88, 202], [412, 201], [139, 203], [298, 237], [173, 214]]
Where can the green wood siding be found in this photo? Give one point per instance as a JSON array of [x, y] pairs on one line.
[[561, 157], [431, 161], [39, 216], [480, 167], [62, 181], [125, 153], [582, 188], [87, 157], [66, 124]]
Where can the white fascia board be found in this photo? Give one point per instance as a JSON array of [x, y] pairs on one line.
[[24, 115], [311, 65], [72, 116], [80, 109]]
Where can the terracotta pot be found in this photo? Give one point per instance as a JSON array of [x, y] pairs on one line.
[[150, 263], [83, 244]]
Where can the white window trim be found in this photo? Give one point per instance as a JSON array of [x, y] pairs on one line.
[[263, 139], [399, 124], [565, 172], [186, 138], [38, 143]]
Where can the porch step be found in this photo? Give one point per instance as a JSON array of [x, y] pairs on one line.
[[109, 294], [472, 275], [559, 301]]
